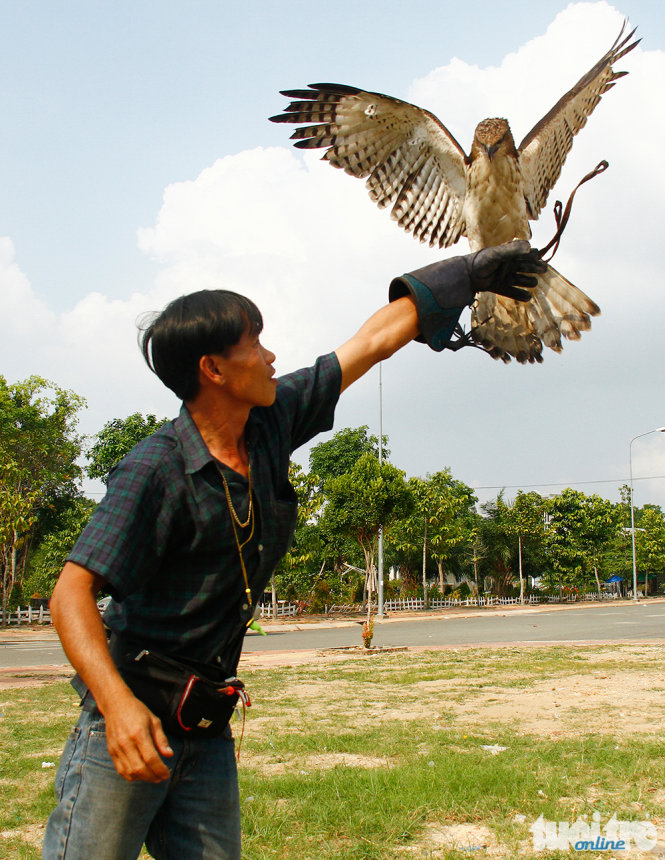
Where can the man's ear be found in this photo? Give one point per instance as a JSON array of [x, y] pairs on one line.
[[209, 367]]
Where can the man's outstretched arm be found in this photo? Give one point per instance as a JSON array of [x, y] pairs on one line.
[[385, 332]]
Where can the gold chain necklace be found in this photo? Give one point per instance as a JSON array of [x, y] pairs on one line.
[[235, 519]]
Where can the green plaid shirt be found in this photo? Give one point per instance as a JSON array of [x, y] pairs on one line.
[[162, 536]]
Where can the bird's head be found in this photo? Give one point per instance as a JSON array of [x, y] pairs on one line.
[[492, 136]]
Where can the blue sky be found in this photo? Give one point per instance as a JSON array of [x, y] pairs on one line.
[[137, 162]]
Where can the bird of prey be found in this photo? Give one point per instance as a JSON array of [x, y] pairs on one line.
[[438, 193]]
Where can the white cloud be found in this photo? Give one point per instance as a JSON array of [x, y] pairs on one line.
[[26, 320], [291, 234], [90, 348], [305, 242]]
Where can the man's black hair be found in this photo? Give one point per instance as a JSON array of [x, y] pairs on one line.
[[203, 323]]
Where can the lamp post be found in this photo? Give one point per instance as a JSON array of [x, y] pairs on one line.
[[379, 596], [632, 507]]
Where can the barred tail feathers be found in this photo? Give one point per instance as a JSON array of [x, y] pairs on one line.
[[509, 329]]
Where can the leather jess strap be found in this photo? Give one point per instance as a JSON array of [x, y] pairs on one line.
[[561, 215]]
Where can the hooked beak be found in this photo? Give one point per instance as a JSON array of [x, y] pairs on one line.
[[491, 150]]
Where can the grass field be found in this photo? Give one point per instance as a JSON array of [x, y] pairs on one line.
[[445, 754]]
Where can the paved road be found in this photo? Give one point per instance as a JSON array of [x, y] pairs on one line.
[[598, 623], [33, 653], [593, 623]]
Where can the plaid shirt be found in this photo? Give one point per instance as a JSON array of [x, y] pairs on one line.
[[162, 536]]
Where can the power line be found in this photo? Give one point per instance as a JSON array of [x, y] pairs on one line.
[[528, 486], [570, 483]]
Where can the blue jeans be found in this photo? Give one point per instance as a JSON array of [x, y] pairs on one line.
[[194, 815]]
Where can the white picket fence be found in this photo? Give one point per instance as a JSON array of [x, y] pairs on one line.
[[28, 615], [284, 609], [448, 603], [406, 604], [417, 603]]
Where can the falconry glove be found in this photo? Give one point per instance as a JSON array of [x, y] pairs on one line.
[[442, 290]]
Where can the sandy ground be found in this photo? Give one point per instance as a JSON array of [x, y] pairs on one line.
[[627, 691]]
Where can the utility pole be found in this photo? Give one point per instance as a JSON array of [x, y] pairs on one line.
[[379, 595]]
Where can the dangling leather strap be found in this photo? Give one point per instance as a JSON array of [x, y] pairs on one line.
[[562, 219]]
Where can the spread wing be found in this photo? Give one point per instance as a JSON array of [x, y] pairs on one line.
[[544, 149], [411, 160]]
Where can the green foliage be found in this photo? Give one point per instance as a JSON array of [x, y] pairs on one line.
[[339, 528], [439, 519], [338, 455], [39, 447], [49, 556], [579, 529], [497, 539], [650, 540], [116, 439], [339, 544], [362, 500], [38, 434], [296, 571]]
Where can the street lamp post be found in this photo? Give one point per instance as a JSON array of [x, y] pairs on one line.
[[379, 596], [632, 506]]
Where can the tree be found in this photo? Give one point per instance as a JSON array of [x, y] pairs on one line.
[[329, 460], [579, 532], [338, 455], [497, 540], [49, 555], [448, 506], [294, 573], [475, 550], [39, 447], [362, 500], [650, 542], [17, 516], [116, 439], [524, 520], [438, 520]]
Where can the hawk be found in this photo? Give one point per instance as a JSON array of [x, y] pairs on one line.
[[438, 193]]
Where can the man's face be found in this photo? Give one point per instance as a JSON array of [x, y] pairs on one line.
[[248, 372]]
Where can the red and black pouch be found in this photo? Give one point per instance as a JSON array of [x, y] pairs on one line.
[[192, 699]]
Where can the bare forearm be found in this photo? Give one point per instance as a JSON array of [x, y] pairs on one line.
[[384, 333], [79, 625]]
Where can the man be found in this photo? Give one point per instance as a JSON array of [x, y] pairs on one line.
[[193, 523]]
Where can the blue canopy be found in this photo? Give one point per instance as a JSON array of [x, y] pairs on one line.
[[614, 578]]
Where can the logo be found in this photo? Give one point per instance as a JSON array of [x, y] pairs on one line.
[[616, 835]]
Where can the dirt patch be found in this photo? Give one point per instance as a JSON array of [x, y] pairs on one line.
[[321, 761], [576, 704], [472, 838], [629, 689], [33, 834], [11, 679]]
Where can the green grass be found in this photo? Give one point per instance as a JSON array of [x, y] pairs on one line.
[[356, 758], [34, 725]]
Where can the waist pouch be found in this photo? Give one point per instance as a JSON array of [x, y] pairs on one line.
[[190, 698]]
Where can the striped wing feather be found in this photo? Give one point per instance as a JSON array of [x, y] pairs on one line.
[[410, 160], [544, 149]]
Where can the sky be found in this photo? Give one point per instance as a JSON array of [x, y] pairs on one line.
[[137, 163]]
